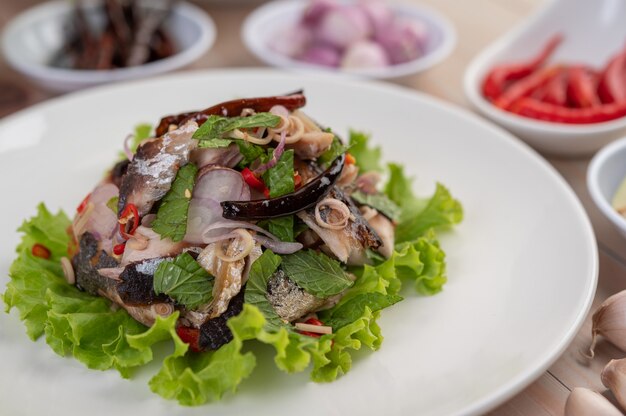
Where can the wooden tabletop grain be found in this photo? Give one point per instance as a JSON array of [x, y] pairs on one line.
[[478, 22]]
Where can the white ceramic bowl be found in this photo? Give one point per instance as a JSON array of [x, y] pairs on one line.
[[270, 18], [32, 38], [606, 172], [593, 31]]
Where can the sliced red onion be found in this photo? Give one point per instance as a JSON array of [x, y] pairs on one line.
[[214, 185], [280, 110], [228, 224], [129, 153], [224, 156], [278, 152], [222, 237], [278, 247], [97, 218]]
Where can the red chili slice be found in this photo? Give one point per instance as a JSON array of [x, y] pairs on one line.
[[118, 250], [40, 251], [252, 180], [130, 215], [312, 321], [81, 207], [190, 336]]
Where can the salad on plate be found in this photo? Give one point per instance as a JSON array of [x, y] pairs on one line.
[[246, 221]]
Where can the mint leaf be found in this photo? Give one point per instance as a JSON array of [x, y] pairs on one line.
[[250, 153], [336, 149], [282, 228], [112, 204], [256, 288], [279, 180], [211, 132], [171, 218], [184, 280], [316, 273], [380, 202], [367, 158], [353, 309]]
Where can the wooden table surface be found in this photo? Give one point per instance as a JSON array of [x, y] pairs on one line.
[[478, 22]]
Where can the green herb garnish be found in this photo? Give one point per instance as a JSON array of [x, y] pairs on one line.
[[316, 273], [211, 132], [184, 280], [279, 180], [256, 288], [380, 202], [171, 218]]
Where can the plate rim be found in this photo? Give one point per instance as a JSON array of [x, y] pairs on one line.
[[530, 373]]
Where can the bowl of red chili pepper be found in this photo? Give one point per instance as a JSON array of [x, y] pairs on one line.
[[65, 47], [558, 81]]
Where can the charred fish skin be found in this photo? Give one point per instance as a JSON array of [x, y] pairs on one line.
[[214, 332], [136, 286], [364, 230], [154, 167], [87, 262], [288, 299]]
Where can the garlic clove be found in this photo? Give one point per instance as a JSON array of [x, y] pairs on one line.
[[614, 378], [609, 320], [585, 402]]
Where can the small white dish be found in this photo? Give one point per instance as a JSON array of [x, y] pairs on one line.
[[606, 172], [32, 38], [593, 32], [271, 18]]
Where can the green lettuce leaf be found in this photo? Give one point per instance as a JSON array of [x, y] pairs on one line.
[[441, 210], [171, 218], [184, 280], [367, 158], [75, 322]]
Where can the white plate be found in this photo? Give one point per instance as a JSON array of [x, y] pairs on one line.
[[522, 267]]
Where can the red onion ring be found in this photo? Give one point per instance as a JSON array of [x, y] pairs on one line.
[[278, 247], [127, 151], [278, 152]]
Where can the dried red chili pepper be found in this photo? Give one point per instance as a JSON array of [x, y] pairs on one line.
[[525, 87], [529, 107], [41, 251], [612, 85], [130, 215], [496, 81], [190, 336], [582, 87]]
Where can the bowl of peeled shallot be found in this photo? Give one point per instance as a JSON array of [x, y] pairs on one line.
[[363, 38]]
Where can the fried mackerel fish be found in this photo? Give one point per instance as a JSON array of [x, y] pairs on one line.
[[178, 226]]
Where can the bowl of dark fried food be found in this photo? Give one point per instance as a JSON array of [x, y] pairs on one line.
[[65, 46]]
